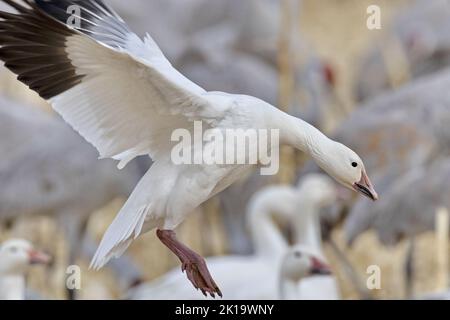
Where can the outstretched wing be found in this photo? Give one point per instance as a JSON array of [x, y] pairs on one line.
[[119, 92]]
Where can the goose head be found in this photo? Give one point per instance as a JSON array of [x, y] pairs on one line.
[[16, 256], [319, 189], [300, 263], [346, 167]]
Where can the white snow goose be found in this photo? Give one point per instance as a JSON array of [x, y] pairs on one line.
[[16, 257], [123, 96], [299, 264]]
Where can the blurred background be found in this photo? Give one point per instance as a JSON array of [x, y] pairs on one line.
[[383, 93]]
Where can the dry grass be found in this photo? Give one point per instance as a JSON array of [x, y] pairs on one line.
[[368, 251]]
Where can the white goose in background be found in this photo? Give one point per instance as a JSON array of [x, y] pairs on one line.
[[299, 264], [123, 96], [16, 257], [314, 192], [256, 276], [302, 206]]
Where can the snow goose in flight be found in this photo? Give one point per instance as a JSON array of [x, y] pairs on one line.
[[16, 256], [122, 95]]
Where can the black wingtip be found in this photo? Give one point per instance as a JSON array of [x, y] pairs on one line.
[[32, 46]]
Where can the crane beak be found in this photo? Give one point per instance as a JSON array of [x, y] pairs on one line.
[[319, 267], [38, 257], [365, 187]]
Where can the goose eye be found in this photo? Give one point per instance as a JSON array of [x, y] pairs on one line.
[[13, 250], [354, 164], [298, 254]]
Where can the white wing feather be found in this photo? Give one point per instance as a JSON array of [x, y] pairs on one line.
[[125, 107]]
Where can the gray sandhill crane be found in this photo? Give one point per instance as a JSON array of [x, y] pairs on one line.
[[405, 134], [410, 206], [397, 132], [408, 210], [417, 44], [403, 131]]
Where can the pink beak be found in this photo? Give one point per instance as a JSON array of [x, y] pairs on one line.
[[38, 257], [365, 187], [319, 267]]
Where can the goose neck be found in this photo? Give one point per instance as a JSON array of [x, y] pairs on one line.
[[266, 236], [307, 226], [12, 287]]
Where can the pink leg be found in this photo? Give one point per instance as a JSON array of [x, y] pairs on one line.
[[194, 264]]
